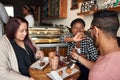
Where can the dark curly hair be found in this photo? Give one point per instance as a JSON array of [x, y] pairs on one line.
[[78, 20]]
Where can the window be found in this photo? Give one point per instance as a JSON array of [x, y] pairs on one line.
[[10, 10]]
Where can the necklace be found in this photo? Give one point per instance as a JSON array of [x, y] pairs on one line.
[[26, 51]]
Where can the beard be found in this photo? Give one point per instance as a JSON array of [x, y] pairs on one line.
[[95, 40]]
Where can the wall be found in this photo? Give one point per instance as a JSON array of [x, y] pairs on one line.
[[72, 14]]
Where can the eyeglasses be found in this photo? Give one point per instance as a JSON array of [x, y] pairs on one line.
[[89, 30]]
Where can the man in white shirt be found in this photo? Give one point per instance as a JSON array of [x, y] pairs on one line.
[[3, 18]]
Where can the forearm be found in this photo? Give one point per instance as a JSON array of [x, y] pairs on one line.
[[85, 62], [78, 37], [68, 39]]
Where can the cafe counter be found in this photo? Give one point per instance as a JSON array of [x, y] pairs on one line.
[[46, 48]]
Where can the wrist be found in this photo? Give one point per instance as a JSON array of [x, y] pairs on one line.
[[36, 56], [77, 57], [73, 39]]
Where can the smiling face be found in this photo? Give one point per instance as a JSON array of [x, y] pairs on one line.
[[21, 32], [77, 27]]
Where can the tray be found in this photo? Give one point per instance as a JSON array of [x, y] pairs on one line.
[[55, 76]]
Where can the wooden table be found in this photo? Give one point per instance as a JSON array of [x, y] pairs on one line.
[[38, 74]]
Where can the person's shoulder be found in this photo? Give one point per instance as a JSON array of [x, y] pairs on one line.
[[30, 16], [26, 16], [113, 56], [3, 38], [88, 39], [116, 53]]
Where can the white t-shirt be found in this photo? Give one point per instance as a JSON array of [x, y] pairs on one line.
[[78, 49], [30, 20]]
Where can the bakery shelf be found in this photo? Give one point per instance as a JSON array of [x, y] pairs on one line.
[[92, 11]]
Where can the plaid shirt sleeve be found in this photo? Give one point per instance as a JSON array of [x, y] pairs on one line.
[[71, 45], [88, 48]]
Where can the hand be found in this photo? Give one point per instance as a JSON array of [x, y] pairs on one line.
[[74, 55], [31, 78], [40, 54], [79, 36], [74, 50]]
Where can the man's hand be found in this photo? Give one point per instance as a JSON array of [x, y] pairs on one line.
[[32, 78], [74, 55]]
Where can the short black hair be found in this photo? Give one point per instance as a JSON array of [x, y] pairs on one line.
[[107, 21], [78, 20]]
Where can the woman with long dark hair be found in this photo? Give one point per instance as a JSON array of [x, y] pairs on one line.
[[17, 51]]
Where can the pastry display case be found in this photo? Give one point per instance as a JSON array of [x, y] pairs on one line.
[[47, 34], [48, 37]]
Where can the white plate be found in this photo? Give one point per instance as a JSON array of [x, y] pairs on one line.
[[64, 75], [36, 64], [54, 75], [62, 59]]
